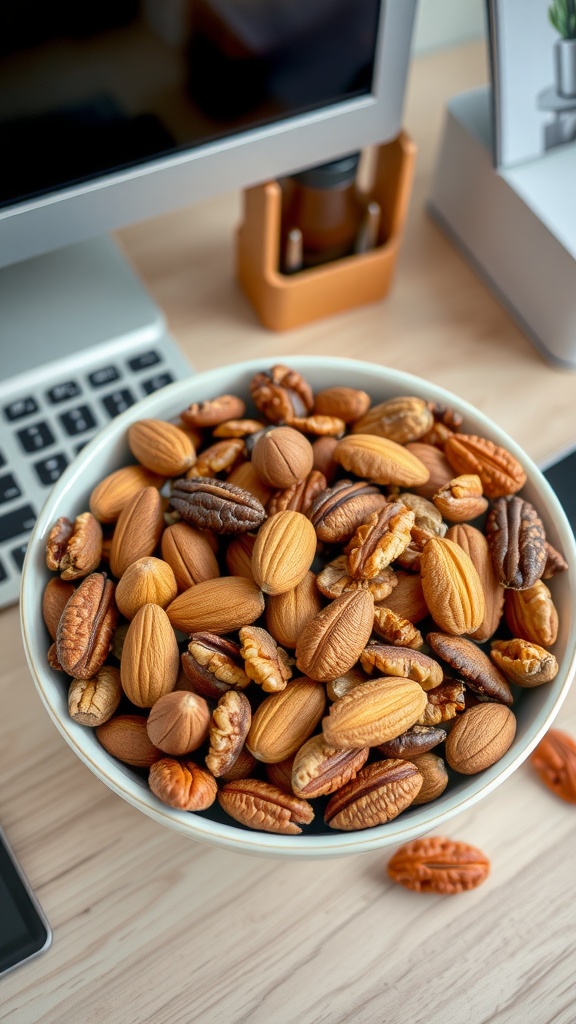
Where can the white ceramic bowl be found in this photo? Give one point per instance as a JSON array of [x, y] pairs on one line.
[[535, 709]]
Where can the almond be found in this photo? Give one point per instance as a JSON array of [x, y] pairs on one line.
[[283, 553], [439, 469], [189, 554], [288, 613], [161, 447], [147, 581], [374, 712], [480, 737], [285, 720], [474, 543], [451, 587], [137, 531], [217, 606], [113, 492], [125, 737], [380, 460], [150, 657], [334, 639]]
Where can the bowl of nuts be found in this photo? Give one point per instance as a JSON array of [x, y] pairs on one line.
[[301, 610]]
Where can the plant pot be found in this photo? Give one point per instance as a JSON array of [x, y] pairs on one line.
[[565, 67]]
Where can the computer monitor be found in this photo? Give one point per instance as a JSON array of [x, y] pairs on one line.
[[117, 111]]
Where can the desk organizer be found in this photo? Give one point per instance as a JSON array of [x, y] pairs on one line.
[[285, 301]]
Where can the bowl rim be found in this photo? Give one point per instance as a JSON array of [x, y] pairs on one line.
[[121, 780]]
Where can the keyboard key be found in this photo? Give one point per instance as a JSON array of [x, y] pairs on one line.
[[3, 573], [61, 392], [19, 554], [77, 421], [21, 520], [105, 375], [8, 488], [160, 380], [81, 444], [20, 407], [50, 469], [143, 361], [118, 401], [35, 437]]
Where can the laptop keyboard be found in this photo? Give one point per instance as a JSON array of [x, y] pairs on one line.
[[42, 432]]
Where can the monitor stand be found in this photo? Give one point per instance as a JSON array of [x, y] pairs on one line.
[[515, 225], [67, 304]]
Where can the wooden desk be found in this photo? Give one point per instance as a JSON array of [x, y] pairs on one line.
[[150, 927]]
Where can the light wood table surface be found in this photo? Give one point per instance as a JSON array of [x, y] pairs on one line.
[[151, 927]]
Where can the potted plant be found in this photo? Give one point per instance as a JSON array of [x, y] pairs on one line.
[[562, 14]]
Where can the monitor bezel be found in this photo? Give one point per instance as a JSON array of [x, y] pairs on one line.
[[112, 201]]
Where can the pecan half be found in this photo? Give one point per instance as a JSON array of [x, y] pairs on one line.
[[182, 784], [300, 496], [471, 664], [86, 627], [211, 504], [213, 412], [461, 499], [438, 865], [444, 702], [419, 739], [319, 768], [517, 542], [378, 793], [531, 614], [334, 579], [321, 426], [499, 471], [74, 549], [524, 663], [229, 728], [379, 540], [395, 629], [281, 393], [220, 457], [392, 660], [265, 807], [338, 512], [213, 665], [237, 428], [264, 661], [555, 761]]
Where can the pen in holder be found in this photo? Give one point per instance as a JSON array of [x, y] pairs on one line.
[[292, 272]]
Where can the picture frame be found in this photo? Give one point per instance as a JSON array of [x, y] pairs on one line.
[[532, 49]]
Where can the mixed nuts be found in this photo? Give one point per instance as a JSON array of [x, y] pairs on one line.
[[309, 598]]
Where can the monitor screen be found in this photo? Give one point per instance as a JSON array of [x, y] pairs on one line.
[[94, 88]]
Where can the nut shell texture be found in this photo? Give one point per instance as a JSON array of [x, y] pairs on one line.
[[380, 460]]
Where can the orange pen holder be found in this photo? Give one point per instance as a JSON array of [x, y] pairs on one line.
[[283, 301]]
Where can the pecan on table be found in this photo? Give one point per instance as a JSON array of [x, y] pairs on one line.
[[438, 865], [555, 761]]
